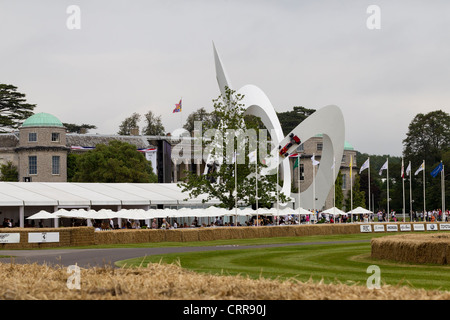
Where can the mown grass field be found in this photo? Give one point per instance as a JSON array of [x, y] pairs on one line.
[[345, 263]]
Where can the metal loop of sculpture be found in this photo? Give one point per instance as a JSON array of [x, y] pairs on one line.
[[327, 121]]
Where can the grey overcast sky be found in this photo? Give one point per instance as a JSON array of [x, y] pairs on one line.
[[135, 56]]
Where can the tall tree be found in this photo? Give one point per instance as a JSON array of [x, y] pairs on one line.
[[359, 197], [129, 124], [199, 115], [428, 137], [77, 128], [116, 162], [8, 172], [290, 119], [13, 108], [153, 125], [221, 182], [339, 200]]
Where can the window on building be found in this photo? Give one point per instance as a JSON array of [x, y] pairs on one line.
[[344, 182], [32, 164], [319, 146], [32, 137], [55, 137], [343, 158], [55, 164], [302, 170]]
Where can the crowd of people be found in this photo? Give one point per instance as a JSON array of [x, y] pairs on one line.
[[435, 215]]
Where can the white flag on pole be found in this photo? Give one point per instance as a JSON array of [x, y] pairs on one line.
[[252, 156], [314, 161], [422, 166], [408, 169], [364, 166], [384, 167]]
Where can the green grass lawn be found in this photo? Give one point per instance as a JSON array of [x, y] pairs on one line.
[[344, 262]]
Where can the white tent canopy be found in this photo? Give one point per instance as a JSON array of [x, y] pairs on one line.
[[335, 211], [359, 210], [42, 215]]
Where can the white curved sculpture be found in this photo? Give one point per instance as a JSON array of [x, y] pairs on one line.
[[328, 121]]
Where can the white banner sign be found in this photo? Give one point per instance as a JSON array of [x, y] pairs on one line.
[[444, 226], [366, 228], [419, 227], [34, 237], [378, 228], [391, 227], [432, 227], [405, 227], [9, 237]]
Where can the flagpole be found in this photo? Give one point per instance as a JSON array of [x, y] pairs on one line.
[[235, 186], [334, 182], [278, 202], [443, 191], [387, 189], [424, 200], [256, 187], [351, 187], [403, 186], [298, 173], [410, 194], [314, 186], [369, 182]]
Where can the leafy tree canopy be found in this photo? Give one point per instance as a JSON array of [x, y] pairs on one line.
[[220, 181], [116, 162], [13, 108]]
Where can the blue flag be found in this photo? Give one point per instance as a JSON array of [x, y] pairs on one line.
[[437, 170]]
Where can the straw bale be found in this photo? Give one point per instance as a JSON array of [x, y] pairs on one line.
[[189, 234], [171, 282], [173, 235], [416, 248]]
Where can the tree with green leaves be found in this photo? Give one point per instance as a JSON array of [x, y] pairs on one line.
[[8, 172], [339, 195], [428, 137], [221, 182], [129, 124], [116, 162], [359, 197], [13, 108], [153, 125], [289, 120], [78, 128]]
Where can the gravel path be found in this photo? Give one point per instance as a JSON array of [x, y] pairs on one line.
[[86, 258]]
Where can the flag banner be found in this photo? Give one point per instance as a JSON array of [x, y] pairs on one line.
[[81, 148], [437, 170], [364, 166], [252, 156], [314, 161], [402, 173], [422, 167], [408, 169], [177, 107], [351, 166], [296, 163], [384, 167]]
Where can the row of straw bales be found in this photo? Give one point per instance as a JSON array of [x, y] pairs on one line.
[[171, 282], [219, 233], [67, 237], [416, 248]]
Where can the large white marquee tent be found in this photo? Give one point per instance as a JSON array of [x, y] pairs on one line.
[[21, 200]]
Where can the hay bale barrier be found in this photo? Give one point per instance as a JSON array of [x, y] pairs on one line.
[[86, 236], [413, 248]]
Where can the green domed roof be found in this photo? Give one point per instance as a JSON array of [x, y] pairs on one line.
[[42, 120], [348, 146]]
